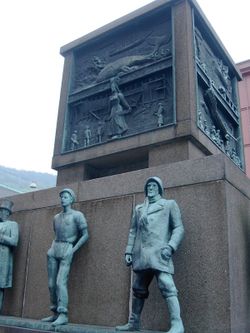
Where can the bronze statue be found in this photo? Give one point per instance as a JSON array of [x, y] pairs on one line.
[[87, 135], [159, 114], [155, 233], [118, 103], [71, 233], [74, 140], [9, 234]]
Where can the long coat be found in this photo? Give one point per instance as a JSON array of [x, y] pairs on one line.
[[8, 239], [153, 227]]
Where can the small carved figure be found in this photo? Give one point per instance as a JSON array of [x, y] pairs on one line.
[[118, 103], [206, 129], [87, 136], [114, 86], [213, 133], [74, 140], [9, 234], [98, 62], [159, 114], [228, 145], [71, 233], [99, 131], [218, 139], [155, 234], [200, 122], [235, 158], [198, 45], [223, 75]]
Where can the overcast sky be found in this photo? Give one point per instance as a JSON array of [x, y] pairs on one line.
[[32, 32]]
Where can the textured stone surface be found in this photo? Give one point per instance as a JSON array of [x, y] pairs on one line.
[[13, 297], [238, 212], [98, 276], [214, 199], [71, 174], [201, 263], [36, 280], [178, 150], [21, 325]]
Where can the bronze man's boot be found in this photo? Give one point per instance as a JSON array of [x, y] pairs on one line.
[[134, 318], [52, 318], [174, 313], [62, 319]]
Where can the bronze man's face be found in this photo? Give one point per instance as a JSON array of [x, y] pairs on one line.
[[66, 199], [4, 214], [152, 189]]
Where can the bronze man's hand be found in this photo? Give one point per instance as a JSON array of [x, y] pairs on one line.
[[166, 252], [128, 259]]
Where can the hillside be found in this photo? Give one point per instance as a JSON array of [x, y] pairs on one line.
[[21, 180]]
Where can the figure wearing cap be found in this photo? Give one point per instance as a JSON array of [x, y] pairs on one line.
[[155, 234], [9, 233], [71, 233]]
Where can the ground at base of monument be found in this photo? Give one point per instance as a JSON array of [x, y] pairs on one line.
[[10, 324]]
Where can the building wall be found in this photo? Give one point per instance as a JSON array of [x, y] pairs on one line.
[[211, 266], [244, 94], [5, 191]]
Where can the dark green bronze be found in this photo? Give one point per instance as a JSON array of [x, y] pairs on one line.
[[155, 234], [218, 114], [9, 234], [118, 82], [71, 233]]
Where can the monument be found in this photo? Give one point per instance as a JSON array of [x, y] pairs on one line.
[[9, 235], [155, 234], [151, 94], [71, 233]]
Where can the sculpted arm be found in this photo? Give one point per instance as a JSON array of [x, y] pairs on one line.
[[12, 239], [177, 231], [83, 230], [131, 239], [177, 227]]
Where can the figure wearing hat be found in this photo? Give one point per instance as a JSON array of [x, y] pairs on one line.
[[155, 234], [9, 233], [71, 233]]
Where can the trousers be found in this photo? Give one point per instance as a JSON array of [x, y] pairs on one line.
[[164, 280], [59, 259]]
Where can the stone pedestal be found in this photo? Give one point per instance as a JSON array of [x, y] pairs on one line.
[[196, 151], [212, 273], [191, 74]]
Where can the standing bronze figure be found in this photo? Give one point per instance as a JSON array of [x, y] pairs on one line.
[[155, 233], [71, 233], [9, 234]]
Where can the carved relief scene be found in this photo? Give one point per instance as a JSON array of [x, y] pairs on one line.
[[121, 85], [217, 111]]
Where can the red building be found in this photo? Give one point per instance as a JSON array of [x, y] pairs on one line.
[[244, 94]]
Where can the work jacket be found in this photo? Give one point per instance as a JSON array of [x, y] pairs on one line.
[[8, 239], [153, 227]]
